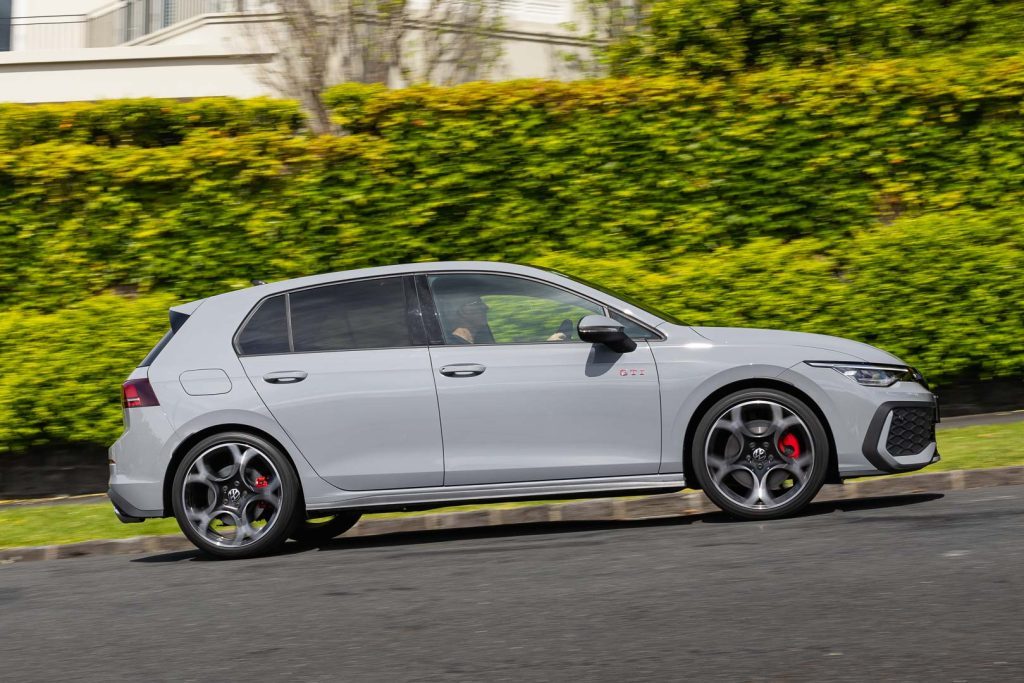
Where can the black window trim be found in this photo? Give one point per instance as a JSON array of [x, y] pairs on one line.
[[414, 319], [427, 303], [287, 320], [414, 313], [431, 319]]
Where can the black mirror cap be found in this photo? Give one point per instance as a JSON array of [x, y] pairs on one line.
[[625, 345], [597, 329]]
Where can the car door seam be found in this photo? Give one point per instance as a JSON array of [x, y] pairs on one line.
[[440, 420], [661, 412]]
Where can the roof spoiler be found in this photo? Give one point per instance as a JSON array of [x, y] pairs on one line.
[[179, 314]]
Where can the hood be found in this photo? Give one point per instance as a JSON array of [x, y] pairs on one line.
[[822, 343]]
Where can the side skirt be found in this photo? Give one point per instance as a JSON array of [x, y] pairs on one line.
[[426, 498]]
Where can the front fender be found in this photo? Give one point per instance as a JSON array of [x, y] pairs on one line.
[[683, 394]]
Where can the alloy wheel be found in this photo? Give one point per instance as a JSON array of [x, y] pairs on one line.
[[232, 495], [759, 454]]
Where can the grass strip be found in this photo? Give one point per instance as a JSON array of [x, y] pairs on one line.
[[962, 448]]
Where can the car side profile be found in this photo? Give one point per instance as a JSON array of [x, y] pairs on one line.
[[287, 410]]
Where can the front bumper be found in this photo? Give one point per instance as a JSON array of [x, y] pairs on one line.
[[901, 436], [861, 421]]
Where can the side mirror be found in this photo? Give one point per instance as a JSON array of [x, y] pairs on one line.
[[598, 329]]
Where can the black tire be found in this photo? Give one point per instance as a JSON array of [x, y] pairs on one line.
[[319, 531], [284, 516], [750, 465]]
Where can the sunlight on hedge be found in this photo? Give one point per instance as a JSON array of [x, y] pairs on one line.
[[876, 201]]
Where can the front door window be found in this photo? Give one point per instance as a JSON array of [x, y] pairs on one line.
[[477, 308]]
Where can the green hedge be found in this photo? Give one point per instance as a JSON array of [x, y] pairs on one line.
[[874, 201], [644, 167], [143, 122], [715, 37], [942, 291], [61, 371]]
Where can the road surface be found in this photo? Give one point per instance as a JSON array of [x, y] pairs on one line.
[[925, 587]]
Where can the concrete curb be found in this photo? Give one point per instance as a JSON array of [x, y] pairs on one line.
[[599, 509]]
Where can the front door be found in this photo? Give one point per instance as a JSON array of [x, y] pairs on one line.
[[523, 399], [345, 370]]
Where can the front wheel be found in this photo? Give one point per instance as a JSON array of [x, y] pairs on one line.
[[760, 454], [235, 495]]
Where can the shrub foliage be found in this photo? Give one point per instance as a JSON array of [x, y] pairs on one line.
[[875, 202], [718, 37]]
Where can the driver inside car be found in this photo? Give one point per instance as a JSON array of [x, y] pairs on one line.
[[470, 325]]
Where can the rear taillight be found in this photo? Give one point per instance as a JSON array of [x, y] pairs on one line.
[[138, 393]]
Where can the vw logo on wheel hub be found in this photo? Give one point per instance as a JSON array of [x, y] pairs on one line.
[[234, 495]]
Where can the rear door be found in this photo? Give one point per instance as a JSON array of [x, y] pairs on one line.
[[346, 371]]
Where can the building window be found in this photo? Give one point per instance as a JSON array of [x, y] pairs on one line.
[[5, 25]]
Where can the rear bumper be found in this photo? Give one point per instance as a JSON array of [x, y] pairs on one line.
[[136, 475], [128, 513]]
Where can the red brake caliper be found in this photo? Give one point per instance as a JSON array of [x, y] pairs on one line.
[[261, 483], [790, 445]]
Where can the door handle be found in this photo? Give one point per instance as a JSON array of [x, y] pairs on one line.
[[285, 377], [463, 370]]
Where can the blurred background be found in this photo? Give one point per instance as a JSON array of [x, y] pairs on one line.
[[848, 167]]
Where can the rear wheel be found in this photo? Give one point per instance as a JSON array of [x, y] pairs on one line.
[[321, 530], [760, 454], [235, 495]]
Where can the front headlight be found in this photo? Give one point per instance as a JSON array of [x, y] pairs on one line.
[[872, 375]]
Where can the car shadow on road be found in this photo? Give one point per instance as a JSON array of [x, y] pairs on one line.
[[830, 506], [421, 537], [538, 529]]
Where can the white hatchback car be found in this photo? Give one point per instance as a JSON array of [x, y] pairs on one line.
[[288, 409]]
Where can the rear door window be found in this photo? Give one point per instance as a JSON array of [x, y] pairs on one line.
[[367, 314]]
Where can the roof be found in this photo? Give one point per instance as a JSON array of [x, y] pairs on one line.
[[255, 293]]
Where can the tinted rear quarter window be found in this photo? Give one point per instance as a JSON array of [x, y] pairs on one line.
[[370, 314], [267, 329]]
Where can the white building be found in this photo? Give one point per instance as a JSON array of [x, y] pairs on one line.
[[68, 50]]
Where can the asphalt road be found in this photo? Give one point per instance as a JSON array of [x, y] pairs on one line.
[[924, 587]]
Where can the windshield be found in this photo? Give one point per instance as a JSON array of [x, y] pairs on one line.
[[667, 317]]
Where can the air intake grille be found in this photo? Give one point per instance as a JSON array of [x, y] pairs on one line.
[[910, 431]]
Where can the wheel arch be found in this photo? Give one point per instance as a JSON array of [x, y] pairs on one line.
[[756, 383], [191, 440]]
